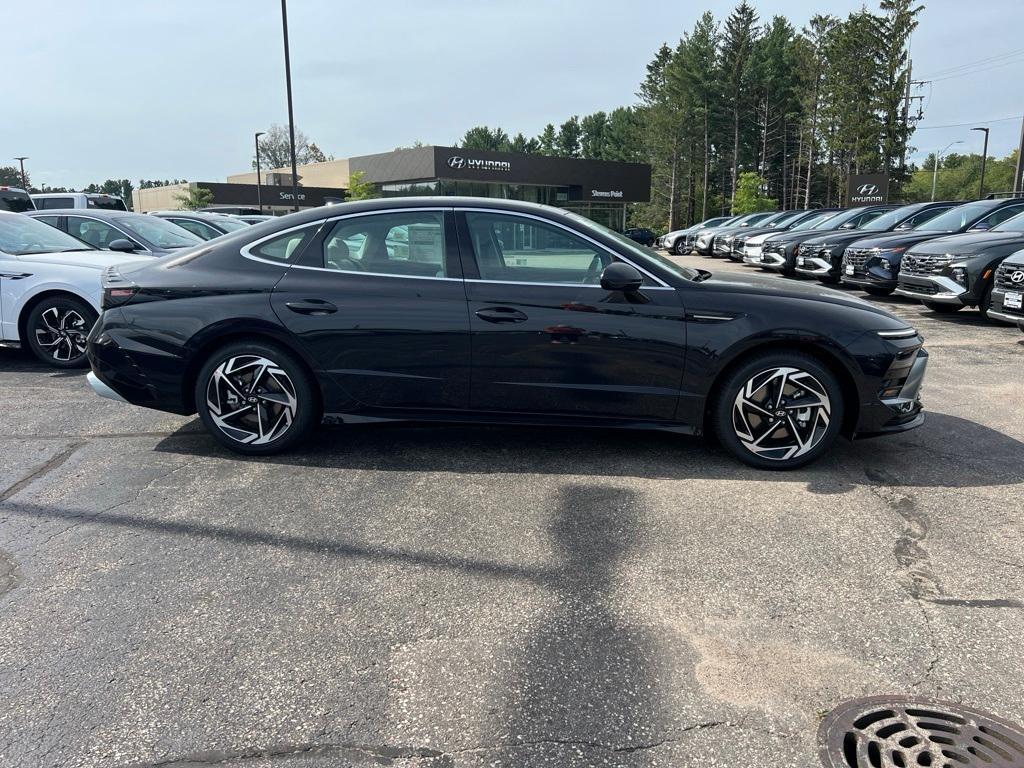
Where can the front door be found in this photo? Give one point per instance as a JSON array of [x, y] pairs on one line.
[[378, 301], [546, 337]]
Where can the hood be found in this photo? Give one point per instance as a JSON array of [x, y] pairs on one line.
[[802, 235], [93, 259], [836, 237], [755, 231], [1016, 258], [968, 242], [897, 240], [759, 285]]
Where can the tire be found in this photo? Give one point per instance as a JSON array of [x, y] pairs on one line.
[[737, 416], [828, 280], [943, 309], [56, 331], [986, 300], [873, 290], [267, 393], [679, 249]]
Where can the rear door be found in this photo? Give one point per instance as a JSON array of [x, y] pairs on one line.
[[378, 302], [548, 339]]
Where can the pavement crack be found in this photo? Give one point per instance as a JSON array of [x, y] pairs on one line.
[[9, 575], [347, 750], [44, 469]]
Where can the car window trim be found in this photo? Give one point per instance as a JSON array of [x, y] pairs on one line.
[[246, 251], [113, 226], [661, 286]]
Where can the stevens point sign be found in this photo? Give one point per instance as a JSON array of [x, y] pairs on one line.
[[868, 188]]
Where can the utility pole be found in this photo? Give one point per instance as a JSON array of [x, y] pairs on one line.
[[259, 183], [984, 157], [24, 178], [291, 115], [1018, 178], [935, 165]]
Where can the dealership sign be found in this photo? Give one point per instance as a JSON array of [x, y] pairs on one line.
[[476, 164], [868, 188]]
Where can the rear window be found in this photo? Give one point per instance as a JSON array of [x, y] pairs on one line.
[[15, 201], [284, 248], [44, 203], [105, 202]]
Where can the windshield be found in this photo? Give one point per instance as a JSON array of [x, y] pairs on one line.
[[813, 221], [956, 219], [228, 224], [634, 248], [1015, 224], [15, 200], [890, 219], [788, 217], [105, 203], [838, 219], [157, 232], [754, 218], [21, 235]]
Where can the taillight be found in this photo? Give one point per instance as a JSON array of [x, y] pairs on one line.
[[117, 289]]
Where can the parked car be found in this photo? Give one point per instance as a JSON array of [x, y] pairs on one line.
[[251, 218], [690, 245], [51, 289], [675, 241], [723, 244], [641, 235], [875, 262], [551, 317], [1008, 295], [778, 250], [120, 231], [822, 257], [949, 273], [61, 200], [705, 244], [233, 210], [749, 242], [15, 200], [205, 226]]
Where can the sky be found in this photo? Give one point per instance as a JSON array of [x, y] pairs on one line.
[[152, 89]]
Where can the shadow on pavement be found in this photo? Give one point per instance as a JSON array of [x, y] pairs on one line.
[[946, 452]]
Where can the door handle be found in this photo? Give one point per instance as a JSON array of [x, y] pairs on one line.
[[312, 307], [501, 315]]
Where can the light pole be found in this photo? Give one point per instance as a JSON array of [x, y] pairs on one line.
[[984, 157], [259, 185], [291, 116], [935, 166], [24, 179]]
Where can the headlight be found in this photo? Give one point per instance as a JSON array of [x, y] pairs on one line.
[[959, 274], [902, 333]]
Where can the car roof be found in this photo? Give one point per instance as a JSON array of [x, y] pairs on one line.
[[96, 213]]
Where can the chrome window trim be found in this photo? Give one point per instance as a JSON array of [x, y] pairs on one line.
[[570, 230], [246, 251], [133, 238], [561, 285]]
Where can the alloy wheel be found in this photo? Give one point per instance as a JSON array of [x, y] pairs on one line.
[[62, 333], [251, 399], [781, 413]]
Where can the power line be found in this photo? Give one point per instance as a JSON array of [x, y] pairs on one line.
[[948, 70], [979, 70], [961, 125]]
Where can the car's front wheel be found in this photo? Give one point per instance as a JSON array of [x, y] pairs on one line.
[[57, 329], [874, 290], [679, 249], [778, 410], [256, 398], [943, 309]]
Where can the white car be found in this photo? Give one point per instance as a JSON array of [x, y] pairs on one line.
[[48, 200], [752, 248], [49, 289]]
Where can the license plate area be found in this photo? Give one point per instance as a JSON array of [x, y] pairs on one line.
[[848, 269], [1012, 300]]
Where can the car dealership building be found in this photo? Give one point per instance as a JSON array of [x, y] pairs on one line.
[[597, 189]]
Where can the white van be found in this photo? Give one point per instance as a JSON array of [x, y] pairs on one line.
[[50, 200]]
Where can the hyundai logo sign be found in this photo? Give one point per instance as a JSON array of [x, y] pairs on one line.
[[867, 190], [476, 164], [1017, 277]]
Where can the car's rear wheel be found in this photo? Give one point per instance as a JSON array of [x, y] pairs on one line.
[[943, 309], [57, 329], [778, 410], [874, 290], [256, 398]]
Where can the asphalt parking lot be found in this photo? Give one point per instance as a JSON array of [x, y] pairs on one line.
[[480, 596]]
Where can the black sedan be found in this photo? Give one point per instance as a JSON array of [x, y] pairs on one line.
[[205, 226], [494, 311], [641, 235]]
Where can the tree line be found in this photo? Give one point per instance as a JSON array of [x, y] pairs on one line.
[[801, 109]]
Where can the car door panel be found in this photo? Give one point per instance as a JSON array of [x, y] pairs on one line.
[[570, 349], [390, 341]]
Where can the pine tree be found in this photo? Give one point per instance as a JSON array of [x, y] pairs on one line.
[[738, 41], [547, 141]]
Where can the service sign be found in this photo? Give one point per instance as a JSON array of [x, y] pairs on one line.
[[868, 189]]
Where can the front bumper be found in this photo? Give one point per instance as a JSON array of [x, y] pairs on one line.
[[999, 311], [102, 389], [936, 288], [772, 260], [900, 411], [813, 265]]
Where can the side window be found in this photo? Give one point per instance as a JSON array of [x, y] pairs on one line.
[[197, 228], [402, 243], [284, 248], [510, 248], [55, 202], [998, 217], [98, 234], [53, 221]]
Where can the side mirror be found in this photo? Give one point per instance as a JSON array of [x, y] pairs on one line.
[[981, 226], [849, 225], [122, 244], [619, 276]]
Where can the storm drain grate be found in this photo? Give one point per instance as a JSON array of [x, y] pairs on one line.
[[895, 732]]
